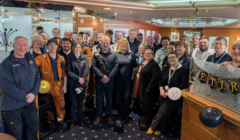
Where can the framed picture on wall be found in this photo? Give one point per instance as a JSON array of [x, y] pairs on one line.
[[189, 34], [174, 36], [142, 32], [86, 30], [116, 30], [153, 33], [148, 33], [212, 40]]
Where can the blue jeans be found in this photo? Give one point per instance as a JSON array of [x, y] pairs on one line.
[[102, 89]]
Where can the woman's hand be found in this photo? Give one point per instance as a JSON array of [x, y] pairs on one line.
[[81, 80], [162, 92], [165, 95]]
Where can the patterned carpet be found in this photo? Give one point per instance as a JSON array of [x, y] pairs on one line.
[[104, 131]]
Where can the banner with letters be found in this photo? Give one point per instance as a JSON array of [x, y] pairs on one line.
[[219, 84]]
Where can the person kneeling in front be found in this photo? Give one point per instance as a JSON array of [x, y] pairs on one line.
[[20, 82]]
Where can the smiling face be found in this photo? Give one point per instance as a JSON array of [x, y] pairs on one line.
[[90, 42], [20, 47], [105, 44], [38, 43], [123, 45], [79, 39], [66, 45], [180, 50], [119, 36], [165, 43], [203, 45], [141, 49], [157, 38], [140, 38], [219, 46], [235, 52], [195, 40], [132, 35], [78, 49], [184, 39], [171, 48], [52, 47], [148, 55], [172, 59], [56, 33], [150, 41]]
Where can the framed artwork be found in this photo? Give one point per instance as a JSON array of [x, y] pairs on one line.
[[189, 34], [86, 30], [174, 36], [148, 33], [212, 40], [142, 32], [116, 30], [153, 33]]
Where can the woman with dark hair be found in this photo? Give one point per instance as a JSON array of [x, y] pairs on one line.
[[77, 69], [173, 75], [171, 48], [146, 77], [183, 54]]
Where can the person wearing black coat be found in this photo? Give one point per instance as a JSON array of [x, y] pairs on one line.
[[146, 77], [173, 75], [77, 69]]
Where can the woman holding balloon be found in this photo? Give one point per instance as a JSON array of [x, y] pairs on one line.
[[77, 69], [173, 75]]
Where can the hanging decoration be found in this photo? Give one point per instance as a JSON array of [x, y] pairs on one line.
[[192, 16], [167, 18]]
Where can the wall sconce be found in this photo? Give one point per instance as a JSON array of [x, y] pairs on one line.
[[238, 38], [81, 21]]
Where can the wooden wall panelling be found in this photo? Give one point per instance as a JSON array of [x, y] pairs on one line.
[[89, 22]]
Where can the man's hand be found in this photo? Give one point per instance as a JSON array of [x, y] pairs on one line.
[[162, 92], [64, 89], [81, 80], [105, 79], [30, 97], [226, 63]]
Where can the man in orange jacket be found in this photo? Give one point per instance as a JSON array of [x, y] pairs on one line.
[[52, 69]]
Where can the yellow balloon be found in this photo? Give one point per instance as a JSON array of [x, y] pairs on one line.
[[44, 87]]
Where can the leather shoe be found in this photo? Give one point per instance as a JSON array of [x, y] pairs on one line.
[[96, 121], [110, 120], [70, 125], [80, 123]]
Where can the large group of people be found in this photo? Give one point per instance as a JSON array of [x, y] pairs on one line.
[[115, 73]]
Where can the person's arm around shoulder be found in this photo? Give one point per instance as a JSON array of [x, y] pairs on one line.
[[7, 84], [115, 68]]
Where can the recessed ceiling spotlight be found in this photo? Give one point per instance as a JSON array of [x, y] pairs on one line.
[[130, 18], [206, 11], [130, 12], [108, 8]]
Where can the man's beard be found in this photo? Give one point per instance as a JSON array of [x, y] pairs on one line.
[[66, 48], [203, 50]]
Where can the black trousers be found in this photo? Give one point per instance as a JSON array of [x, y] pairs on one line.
[[166, 108], [13, 124], [122, 93], [147, 114], [67, 105], [76, 102]]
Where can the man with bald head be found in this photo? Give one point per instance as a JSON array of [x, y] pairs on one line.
[[119, 36], [157, 42], [105, 67], [97, 47], [68, 34]]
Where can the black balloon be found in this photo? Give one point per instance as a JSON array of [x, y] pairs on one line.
[[118, 125], [211, 116]]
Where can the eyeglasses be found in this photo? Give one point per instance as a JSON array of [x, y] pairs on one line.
[[148, 53], [172, 57]]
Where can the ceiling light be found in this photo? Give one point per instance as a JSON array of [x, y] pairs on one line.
[[130, 18], [115, 14], [93, 18], [101, 20], [107, 8], [81, 20], [130, 12], [206, 11]]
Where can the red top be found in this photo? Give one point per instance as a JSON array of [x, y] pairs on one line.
[[136, 88]]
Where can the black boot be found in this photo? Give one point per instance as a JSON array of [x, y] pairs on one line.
[[80, 123], [70, 124]]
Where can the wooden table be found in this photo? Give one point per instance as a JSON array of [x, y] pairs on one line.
[[192, 128]]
